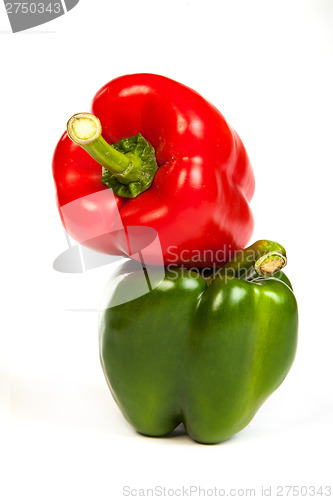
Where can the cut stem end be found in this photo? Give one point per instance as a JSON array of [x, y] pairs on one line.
[[270, 263], [84, 128]]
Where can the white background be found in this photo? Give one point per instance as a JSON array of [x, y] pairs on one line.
[[268, 66]]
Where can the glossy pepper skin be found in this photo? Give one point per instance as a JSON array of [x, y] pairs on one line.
[[205, 355], [203, 170]]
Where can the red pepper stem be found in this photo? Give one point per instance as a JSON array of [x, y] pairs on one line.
[[129, 165], [85, 130]]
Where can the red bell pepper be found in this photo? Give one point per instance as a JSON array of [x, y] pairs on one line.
[[197, 201]]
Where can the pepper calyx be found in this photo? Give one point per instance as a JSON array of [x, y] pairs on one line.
[[139, 174], [128, 166]]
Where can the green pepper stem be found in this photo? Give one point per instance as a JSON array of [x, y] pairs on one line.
[[270, 263], [85, 130], [263, 258]]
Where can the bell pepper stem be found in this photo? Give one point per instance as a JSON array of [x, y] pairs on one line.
[[263, 258], [270, 263], [85, 130], [128, 166]]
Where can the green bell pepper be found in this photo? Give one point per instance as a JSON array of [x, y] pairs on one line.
[[202, 352]]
